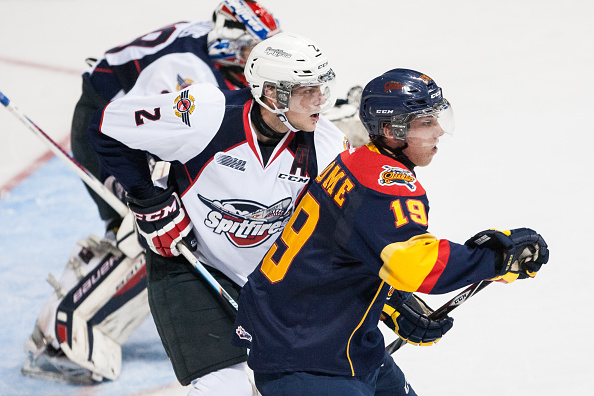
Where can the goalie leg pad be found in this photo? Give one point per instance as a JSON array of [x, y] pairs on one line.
[[98, 311]]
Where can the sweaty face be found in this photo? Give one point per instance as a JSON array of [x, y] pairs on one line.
[[423, 137]]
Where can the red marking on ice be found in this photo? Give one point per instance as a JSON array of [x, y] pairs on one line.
[[31, 168], [42, 66]]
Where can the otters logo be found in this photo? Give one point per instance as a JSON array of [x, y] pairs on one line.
[[184, 106], [247, 223], [390, 85], [392, 175]]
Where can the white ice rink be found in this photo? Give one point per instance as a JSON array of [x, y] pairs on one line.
[[520, 77]]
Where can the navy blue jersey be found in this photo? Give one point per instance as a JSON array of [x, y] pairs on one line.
[[168, 59], [314, 302]]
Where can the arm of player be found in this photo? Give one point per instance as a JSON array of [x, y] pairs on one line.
[[172, 127], [429, 265], [426, 264]]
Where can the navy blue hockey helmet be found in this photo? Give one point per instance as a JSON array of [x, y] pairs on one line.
[[397, 97]]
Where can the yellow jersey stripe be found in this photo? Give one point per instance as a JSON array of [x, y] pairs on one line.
[[407, 264], [359, 325]]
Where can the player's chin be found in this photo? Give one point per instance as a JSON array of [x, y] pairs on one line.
[[312, 122]]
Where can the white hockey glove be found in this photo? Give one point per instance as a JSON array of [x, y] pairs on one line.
[[346, 108], [162, 223], [345, 116]]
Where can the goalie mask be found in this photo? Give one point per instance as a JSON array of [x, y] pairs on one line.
[[238, 25], [400, 96], [294, 72]]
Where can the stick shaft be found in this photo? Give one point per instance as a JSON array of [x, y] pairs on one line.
[[446, 308], [81, 171], [107, 194]]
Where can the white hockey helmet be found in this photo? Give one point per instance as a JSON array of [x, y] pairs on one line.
[[288, 61], [238, 25]]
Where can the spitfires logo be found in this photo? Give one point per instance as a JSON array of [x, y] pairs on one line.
[[393, 175], [184, 106], [247, 223]]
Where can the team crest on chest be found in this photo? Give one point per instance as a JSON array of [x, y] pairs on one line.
[[393, 175], [184, 106], [247, 223]]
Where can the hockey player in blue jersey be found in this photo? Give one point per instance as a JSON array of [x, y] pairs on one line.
[[309, 312]]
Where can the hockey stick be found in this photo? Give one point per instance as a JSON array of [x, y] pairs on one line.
[[107, 194], [84, 174], [446, 308]]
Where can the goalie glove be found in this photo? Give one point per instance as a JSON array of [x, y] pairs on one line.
[[162, 223], [408, 316], [521, 252]]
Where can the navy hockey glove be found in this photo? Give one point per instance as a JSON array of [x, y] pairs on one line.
[[522, 252], [162, 223], [408, 316]]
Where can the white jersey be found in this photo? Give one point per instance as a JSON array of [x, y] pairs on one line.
[[237, 203]]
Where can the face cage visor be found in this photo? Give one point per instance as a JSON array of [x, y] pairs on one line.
[[423, 126], [233, 51], [305, 98]]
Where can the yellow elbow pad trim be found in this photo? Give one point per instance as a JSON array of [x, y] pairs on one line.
[[407, 264]]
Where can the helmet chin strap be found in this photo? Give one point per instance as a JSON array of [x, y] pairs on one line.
[[263, 127], [283, 118], [279, 113]]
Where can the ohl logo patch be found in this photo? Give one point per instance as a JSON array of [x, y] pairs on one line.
[[247, 223], [394, 175], [184, 106]]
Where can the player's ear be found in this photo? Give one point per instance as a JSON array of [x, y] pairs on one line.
[[270, 94], [387, 130]]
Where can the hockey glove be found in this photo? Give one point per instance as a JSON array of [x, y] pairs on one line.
[[522, 252], [408, 316], [162, 223]]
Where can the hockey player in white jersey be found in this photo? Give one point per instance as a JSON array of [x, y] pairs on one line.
[[168, 60], [114, 302], [240, 161]]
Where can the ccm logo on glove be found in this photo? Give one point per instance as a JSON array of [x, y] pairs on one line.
[[162, 223], [158, 215]]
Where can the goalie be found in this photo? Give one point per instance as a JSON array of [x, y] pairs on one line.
[[98, 301]]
